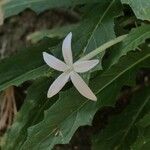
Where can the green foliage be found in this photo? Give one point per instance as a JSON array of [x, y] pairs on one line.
[[22, 67], [143, 140], [122, 130], [30, 114], [141, 8], [135, 38], [13, 7], [84, 37], [41, 123], [78, 111], [56, 32]]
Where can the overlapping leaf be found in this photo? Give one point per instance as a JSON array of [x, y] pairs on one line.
[[26, 65], [141, 8], [136, 37], [35, 103], [121, 131], [83, 39], [72, 110], [88, 36]]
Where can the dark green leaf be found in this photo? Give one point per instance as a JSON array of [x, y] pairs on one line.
[[136, 37], [26, 65], [88, 36], [143, 139], [121, 131], [13, 7], [31, 113], [72, 110]]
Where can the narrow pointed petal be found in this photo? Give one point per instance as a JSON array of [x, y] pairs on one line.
[[58, 84], [66, 49], [82, 87], [54, 63], [84, 66]]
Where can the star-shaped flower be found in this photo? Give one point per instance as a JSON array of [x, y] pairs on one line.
[[70, 70]]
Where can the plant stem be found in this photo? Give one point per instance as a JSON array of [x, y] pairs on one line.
[[103, 47]]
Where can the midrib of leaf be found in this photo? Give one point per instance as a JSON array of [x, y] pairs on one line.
[[40, 110], [110, 83], [133, 121], [6, 84], [74, 112], [84, 103], [140, 60], [99, 22], [32, 121]]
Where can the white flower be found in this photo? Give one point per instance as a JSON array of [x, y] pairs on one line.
[[70, 70]]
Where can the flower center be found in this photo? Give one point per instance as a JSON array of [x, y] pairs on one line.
[[70, 69]]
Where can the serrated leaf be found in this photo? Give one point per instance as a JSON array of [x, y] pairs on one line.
[[100, 28], [135, 38], [31, 113], [13, 7], [141, 8], [22, 67], [83, 42], [121, 131], [72, 110]]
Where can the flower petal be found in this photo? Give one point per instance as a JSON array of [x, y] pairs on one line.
[[54, 62], [66, 49], [58, 84], [84, 66], [82, 87]]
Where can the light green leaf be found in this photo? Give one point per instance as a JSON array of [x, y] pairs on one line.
[[56, 32], [72, 110], [141, 8], [121, 131]]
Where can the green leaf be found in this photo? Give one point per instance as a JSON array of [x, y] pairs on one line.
[[141, 8], [31, 113], [135, 38], [83, 39], [121, 131], [13, 7], [98, 28], [26, 65], [143, 139], [72, 110], [56, 32], [88, 36]]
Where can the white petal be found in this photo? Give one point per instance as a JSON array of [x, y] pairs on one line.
[[84, 66], [54, 62], [82, 87], [58, 84], [66, 49]]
